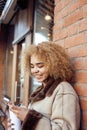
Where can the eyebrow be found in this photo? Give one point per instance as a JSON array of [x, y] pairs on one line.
[[38, 63]]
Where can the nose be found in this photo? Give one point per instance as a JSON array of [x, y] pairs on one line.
[[35, 70]]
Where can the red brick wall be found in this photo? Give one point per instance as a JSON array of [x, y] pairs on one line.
[[70, 31], [2, 57]]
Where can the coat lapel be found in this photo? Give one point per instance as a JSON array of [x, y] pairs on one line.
[[41, 92]]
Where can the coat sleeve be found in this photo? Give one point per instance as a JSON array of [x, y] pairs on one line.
[[36, 121], [65, 112], [31, 120]]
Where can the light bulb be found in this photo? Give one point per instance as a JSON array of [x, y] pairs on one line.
[[47, 17]]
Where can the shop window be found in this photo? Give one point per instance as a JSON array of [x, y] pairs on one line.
[[43, 25], [43, 20]]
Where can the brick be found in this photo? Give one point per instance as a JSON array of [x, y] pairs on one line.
[[56, 36], [57, 18], [73, 6], [74, 17], [83, 25], [61, 14], [81, 76], [56, 1], [73, 29], [66, 2], [78, 51], [83, 103], [86, 37], [85, 11], [74, 40], [73, 36], [63, 34], [80, 63], [85, 63], [81, 89], [82, 2], [83, 128], [84, 119], [60, 5], [64, 12], [60, 42], [58, 26]]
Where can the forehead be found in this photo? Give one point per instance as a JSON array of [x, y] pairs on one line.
[[35, 57]]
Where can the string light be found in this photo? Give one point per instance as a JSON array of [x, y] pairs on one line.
[[47, 17]]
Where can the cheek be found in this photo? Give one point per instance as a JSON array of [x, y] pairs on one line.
[[46, 72], [32, 71]]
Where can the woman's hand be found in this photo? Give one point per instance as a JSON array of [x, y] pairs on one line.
[[9, 124], [20, 112]]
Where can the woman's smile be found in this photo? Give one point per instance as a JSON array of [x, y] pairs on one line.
[[38, 68]]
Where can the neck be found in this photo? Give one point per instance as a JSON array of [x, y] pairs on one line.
[[44, 83]]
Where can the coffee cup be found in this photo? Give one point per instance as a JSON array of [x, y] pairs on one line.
[[15, 121]]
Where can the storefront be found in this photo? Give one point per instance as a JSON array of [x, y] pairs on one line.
[[28, 23]]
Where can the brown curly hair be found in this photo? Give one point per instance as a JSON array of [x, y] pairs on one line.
[[57, 60]]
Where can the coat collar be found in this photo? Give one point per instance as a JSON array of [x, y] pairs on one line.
[[41, 92]]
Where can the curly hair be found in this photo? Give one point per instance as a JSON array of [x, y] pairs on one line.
[[55, 56]]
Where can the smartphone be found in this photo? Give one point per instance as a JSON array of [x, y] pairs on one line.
[[6, 98]]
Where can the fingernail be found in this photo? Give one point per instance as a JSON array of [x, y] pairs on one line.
[[12, 124]]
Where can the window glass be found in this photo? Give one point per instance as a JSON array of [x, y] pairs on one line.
[[43, 20], [43, 26]]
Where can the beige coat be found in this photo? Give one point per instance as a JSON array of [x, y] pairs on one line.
[[60, 111]]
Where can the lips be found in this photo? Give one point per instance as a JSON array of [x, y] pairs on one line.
[[38, 77]]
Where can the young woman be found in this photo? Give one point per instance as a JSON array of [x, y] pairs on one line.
[[54, 105]]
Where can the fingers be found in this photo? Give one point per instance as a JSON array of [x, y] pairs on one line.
[[9, 124], [8, 121], [20, 112], [13, 107]]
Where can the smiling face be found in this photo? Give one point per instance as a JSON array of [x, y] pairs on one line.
[[39, 69]]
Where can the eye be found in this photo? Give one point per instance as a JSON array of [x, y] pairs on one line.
[[40, 65], [32, 66]]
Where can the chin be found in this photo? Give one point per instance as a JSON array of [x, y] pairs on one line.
[[40, 80]]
